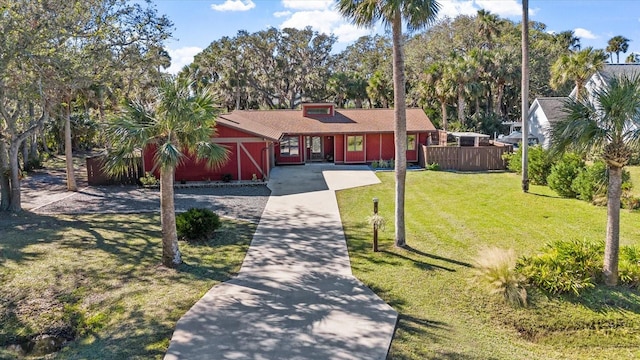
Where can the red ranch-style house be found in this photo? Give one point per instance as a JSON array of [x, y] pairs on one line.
[[259, 140]]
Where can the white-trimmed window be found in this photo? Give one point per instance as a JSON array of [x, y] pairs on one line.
[[411, 142], [355, 143], [289, 146]]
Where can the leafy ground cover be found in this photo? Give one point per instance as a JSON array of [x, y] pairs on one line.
[[443, 313], [98, 278]]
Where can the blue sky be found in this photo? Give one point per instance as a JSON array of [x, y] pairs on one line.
[[199, 22]]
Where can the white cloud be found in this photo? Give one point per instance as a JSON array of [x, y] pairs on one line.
[[280, 14], [181, 57], [502, 8], [584, 33], [324, 19], [452, 8], [234, 5], [308, 4]]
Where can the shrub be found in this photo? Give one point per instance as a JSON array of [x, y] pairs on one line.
[[375, 164], [563, 173], [227, 177], [433, 167], [592, 182], [495, 268], [148, 179], [629, 266], [197, 224], [539, 163], [566, 266], [630, 202]]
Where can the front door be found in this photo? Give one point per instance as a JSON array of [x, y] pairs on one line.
[[314, 148]]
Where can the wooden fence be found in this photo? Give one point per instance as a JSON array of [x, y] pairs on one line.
[[97, 176], [463, 158]]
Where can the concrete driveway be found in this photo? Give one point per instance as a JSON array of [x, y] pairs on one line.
[[295, 296]]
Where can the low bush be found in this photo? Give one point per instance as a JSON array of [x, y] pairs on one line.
[[592, 182], [433, 167], [540, 162], [630, 202], [563, 173], [566, 266], [629, 266], [197, 224], [148, 179], [496, 270]]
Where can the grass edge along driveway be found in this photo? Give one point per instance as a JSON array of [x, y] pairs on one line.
[[443, 314]]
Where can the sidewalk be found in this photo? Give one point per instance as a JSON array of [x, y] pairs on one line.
[[295, 296]]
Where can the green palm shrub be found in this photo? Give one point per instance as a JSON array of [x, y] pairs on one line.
[[197, 224], [629, 267], [496, 269], [563, 173], [565, 266]]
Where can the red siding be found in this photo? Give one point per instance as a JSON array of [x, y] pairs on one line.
[[388, 147], [338, 144], [226, 132], [248, 168], [373, 147]]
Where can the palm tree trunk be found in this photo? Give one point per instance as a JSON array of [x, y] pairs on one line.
[[400, 131], [444, 115], [68, 151], [612, 241], [525, 95], [170, 253]]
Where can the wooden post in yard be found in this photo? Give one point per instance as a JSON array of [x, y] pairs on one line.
[[375, 226]]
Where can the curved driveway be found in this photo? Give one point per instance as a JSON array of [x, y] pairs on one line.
[[295, 296]]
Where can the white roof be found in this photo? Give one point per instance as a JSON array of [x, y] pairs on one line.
[[469, 134]]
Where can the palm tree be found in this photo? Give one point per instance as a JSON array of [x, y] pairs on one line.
[[618, 44], [524, 103], [488, 26], [416, 14], [608, 124], [179, 121], [577, 67], [436, 84]]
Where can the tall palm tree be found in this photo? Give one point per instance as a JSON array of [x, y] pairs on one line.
[[608, 123], [488, 26], [618, 44], [436, 84], [577, 67], [524, 103], [416, 14], [179, 121]]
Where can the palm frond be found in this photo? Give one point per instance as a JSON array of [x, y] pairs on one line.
[[168, 155], [214, 154]]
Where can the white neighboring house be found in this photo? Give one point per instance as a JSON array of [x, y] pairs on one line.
[[545, 110], [542, 113]]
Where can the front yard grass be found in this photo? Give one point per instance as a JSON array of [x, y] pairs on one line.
[[443, 313], [99, 277]]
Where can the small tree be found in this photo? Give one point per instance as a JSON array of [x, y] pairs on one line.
[[607, 124], [178, 120]]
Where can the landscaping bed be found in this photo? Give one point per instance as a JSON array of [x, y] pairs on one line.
[[444, 314]]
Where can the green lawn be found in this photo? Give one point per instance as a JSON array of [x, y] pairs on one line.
[[99, 276], [443, 313]]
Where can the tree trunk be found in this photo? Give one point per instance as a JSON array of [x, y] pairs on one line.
[[444, 115], [460, 105], [400, 131], [612, 241], [5, 184], [358, 103], [14, 177], [525, 95], [170, 253], [68, 151]]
